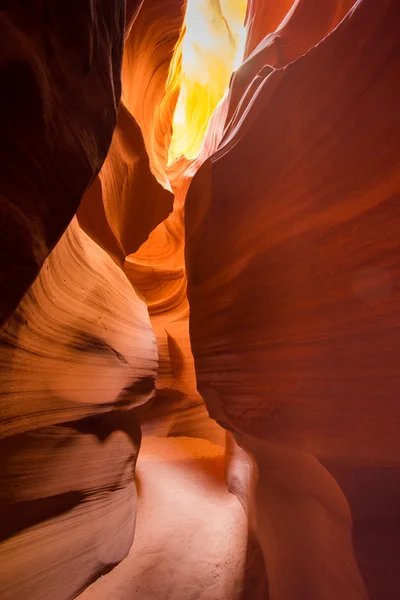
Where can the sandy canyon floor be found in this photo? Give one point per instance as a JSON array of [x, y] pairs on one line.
[[191, 533]]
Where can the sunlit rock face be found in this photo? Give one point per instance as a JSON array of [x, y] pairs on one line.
[[107, 212], [152, 74], [78, 359]]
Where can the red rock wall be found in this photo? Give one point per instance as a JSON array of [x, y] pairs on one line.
[[291, 230], [78, 360]]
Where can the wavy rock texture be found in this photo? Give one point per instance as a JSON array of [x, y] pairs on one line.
[[156, 268], [78, 355], [79, 361], [289, 215], [158, 271], [147, 91], [78, 358], [126, 202], [291, 229], [139, 222], [304, 26]]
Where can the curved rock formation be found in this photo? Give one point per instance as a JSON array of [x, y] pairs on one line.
[[291, 229], [51, 143], [271, 253], [77, 359], [78, 356], [126, 202]]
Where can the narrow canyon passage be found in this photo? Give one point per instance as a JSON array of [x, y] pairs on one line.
[[191, 535], [200, 300]]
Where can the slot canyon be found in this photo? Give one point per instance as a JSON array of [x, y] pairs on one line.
[[200, 300]]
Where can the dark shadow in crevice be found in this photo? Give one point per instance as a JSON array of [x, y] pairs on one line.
[[103, 425], [17, 516]]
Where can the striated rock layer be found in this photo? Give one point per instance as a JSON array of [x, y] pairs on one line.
[[78, 355], [78, 359], [285, 251]]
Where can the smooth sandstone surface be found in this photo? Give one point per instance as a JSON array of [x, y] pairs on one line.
[[191, 534], [78, 361], [261, 276], [291, 225]]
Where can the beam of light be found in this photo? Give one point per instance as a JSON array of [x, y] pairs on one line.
[[210, 48]]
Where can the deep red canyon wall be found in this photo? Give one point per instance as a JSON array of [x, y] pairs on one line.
[[291, 227]]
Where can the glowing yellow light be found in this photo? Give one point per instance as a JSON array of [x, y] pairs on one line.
[[209, 50]]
